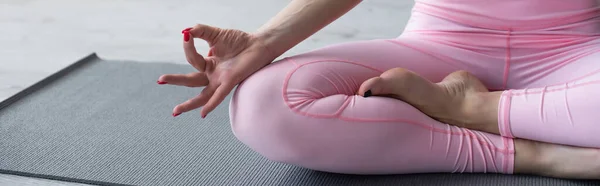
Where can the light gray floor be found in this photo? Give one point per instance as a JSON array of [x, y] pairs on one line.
[[39, 37]]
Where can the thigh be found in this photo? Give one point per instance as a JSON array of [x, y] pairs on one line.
[[429, 59], [560, 106], [303, 110], [573, 64]]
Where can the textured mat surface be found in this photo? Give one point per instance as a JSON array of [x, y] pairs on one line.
[[109, 122]]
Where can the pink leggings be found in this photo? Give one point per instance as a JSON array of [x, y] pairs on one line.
[[302, 110]]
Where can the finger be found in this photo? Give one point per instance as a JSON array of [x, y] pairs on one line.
[[192, 56], [195, 102], [205, 32], [218, 97], [196, 79]]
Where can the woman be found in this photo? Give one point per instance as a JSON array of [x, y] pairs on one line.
[[469, 86]]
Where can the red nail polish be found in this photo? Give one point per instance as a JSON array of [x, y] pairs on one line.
[[161, 82], [210, 52], [176, 114], [186, 36], [185, 30], [203, 116]]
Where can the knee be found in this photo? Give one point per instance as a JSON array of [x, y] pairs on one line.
[[278, 110], [260, 118]]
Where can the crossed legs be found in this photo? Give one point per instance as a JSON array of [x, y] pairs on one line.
[[308, 110]]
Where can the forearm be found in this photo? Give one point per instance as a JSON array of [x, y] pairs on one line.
[[299, 20]]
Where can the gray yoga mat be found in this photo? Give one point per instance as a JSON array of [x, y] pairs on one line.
[[108, 122]]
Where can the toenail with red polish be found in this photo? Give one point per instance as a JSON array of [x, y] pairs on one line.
[[161, 82], [176, 114]]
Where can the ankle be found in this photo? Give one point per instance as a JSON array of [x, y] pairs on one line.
[[480, 111], [528, 159]]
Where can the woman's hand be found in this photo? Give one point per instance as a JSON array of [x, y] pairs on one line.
[[234, 55]]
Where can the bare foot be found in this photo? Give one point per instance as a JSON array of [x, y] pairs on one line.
[[558, 161], [460, 99]]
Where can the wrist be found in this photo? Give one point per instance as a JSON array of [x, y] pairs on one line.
[[273, 44]]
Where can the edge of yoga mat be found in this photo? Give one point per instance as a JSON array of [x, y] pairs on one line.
[[37, 86], [53, 77]]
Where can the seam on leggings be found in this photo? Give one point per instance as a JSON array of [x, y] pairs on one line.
[[504, 114], [509, 160], [507, 59], [406, 121], [505, 159]]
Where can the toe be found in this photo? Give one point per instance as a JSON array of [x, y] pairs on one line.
[[371, 87], [387, 84]]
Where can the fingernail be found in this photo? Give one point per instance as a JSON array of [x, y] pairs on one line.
[[176, 114], [368, 93], [161, 82], [186, 36], [185, 30], [203, 116]]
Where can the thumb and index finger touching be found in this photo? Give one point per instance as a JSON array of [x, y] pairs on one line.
[[193, 57], [204, 32]]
